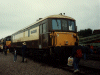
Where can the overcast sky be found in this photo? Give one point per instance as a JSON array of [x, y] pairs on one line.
[[17, 14]]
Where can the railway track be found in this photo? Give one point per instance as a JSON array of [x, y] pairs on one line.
[[84, 70], [95, 57]]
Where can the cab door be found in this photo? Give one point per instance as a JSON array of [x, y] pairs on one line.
[[40, 36], [43, 36]]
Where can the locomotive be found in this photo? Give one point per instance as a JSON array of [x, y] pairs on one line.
[[53, 36], [5, 41]]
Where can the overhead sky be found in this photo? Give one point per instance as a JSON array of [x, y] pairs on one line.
[[17, 14]]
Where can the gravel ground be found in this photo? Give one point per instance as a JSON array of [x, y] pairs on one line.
[[8, 67]]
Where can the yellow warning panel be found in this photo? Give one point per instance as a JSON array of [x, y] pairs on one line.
[[8, 43]]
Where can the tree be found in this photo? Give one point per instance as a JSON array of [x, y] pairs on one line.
[[85, 33]]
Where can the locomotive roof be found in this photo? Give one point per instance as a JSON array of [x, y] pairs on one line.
[[51, 16], [60, 16]]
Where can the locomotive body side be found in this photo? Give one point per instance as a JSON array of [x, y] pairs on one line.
[[30, 35], [6, 41]]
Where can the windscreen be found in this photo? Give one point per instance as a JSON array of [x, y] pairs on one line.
[[71, 25], [56, 24], [63, 24]]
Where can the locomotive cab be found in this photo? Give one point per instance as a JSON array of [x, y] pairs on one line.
[[58, 34], [64, 32]]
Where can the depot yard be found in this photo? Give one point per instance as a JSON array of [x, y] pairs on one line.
[[8, 67]]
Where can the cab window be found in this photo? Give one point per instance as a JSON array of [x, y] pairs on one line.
[[64, 24], [56, 24], [44, 28], [71, 25]]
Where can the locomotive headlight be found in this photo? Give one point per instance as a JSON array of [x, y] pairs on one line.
[[66, 42]]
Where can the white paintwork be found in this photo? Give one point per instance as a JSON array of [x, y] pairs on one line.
[[24, 35]]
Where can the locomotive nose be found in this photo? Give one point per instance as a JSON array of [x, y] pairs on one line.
[[64, 38]]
